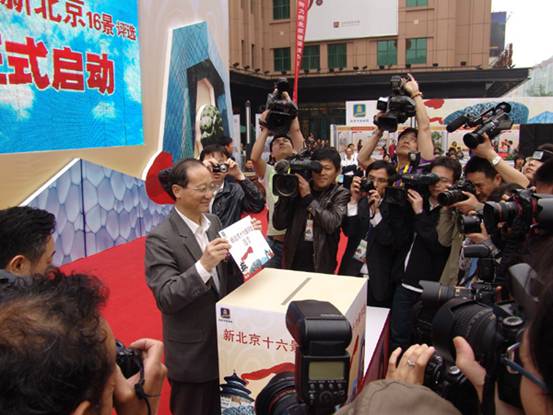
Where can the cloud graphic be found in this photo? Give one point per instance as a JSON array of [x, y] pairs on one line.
[[19, 98], [104, 110], [132, 73]]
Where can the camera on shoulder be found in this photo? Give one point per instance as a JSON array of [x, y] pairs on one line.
[[285, 182]]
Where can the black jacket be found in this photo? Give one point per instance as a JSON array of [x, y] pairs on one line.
[[382, 251], [428, 257], [327, 211], [236, 197]]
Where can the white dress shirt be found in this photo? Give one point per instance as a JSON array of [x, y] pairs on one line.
[[200, 233]]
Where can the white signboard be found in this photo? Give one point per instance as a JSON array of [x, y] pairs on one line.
[[359, 113], [351, 19]]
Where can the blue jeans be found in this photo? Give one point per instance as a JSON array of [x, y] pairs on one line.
[[401, 325], [278, 248]]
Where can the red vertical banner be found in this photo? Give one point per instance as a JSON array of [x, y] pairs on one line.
[[301, 27]]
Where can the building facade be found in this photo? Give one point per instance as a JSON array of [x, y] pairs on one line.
[[445, 42]]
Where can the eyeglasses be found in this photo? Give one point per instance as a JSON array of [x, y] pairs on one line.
[[378, 180], [205, 188], [508, 359]]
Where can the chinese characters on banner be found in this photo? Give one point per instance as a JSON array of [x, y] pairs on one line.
[[68, 68], [301, 26], [258, 340], [78, 60]]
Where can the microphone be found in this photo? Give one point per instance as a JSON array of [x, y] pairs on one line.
[[456, 123], [282, 166]]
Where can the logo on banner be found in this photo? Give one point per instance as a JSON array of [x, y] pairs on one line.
[[359, 110], [225, 313]]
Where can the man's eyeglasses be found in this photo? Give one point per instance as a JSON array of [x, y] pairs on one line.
[[205, 188], [509, 360]]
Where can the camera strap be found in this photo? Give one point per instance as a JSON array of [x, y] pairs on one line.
[[487, 407], [139, 390]]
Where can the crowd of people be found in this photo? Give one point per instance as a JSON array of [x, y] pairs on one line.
[[57, 353]]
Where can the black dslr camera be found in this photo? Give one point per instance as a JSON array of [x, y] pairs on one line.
[[490, 122], [320, 381], [492, 329], [281, 111], [532, 208], [455, 193], [397, 108], [128, 360], [285, 182]]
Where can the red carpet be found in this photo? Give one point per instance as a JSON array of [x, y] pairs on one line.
[[131, 310]]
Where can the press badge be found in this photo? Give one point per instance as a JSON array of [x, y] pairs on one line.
[[308, 236], [361, 251]]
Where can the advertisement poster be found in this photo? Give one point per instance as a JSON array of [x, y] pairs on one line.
[[69, 75], [330, 20]]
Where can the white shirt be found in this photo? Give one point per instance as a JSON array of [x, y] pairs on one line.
[[200, 233]]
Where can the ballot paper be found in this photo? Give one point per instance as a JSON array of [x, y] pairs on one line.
[[249, 249]]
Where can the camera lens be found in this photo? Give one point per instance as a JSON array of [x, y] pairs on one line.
[[285, 185], [472, 140], [467, 318], [450, 197], [278, 396], [470, 224], [495, 213]]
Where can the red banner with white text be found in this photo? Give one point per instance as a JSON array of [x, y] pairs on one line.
[[301, 27]]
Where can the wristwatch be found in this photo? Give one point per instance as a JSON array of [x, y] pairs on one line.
[[495, 161]]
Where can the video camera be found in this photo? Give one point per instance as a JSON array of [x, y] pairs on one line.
[[397, 108], [281, 111], [532, 208], [492, 329], [320, 381], [285, 182], [490, 122], [397, 194], [455, 193]]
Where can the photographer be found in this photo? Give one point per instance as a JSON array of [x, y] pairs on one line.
[[485, 179], [369, 253], [281, 147], [535, 365], [234, 193], [58, 355], [520, 238], [542, 154], [26, 243], [312, 219], [410, 140], [425, 258], [402, 391]]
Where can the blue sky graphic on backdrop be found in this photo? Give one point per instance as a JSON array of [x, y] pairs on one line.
[[69, 75]]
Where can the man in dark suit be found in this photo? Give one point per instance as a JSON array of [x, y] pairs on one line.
[[368, 252], [184, 271]]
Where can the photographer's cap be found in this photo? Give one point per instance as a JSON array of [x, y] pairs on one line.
[[542, 155]]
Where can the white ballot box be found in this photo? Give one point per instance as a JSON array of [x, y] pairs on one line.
[[254, 343]]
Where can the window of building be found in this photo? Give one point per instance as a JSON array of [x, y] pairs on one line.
[[416, 3], [311, 57], [282, 59], [337, 55], [386, 52], [281, 9], [416, 51]]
